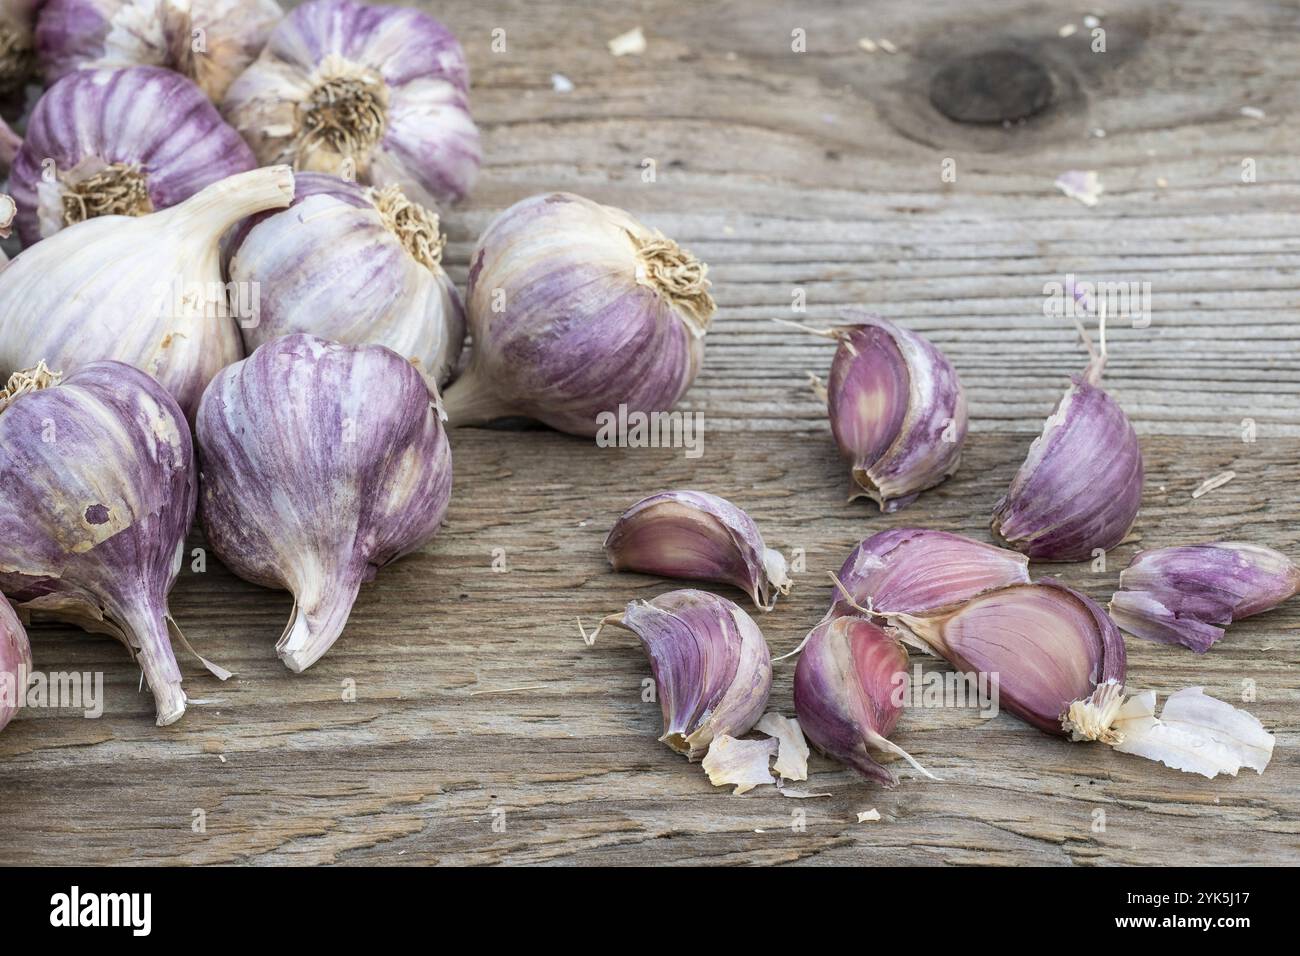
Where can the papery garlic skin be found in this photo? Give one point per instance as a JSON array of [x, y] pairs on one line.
[[577, 310], [99, 491], [375, 93], [15, 663], [1188, 595], [123, 141], [712, 669], [355, 265], [897, 410], [145, 290], [17, 44], [1195, 733], [696, 535], [209, 41], [321, 463]]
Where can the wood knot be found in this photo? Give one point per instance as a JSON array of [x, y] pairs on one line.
[[996, 86]]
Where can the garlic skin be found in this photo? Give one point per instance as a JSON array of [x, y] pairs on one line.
[[897, 411], [208, 41], [575, 309], [355, 265], [1195, 733], [17, 44], [696, 535], [849, 688], [321, 463], [99, 491], [1188, 595], [15, 663], [145, 290], [123, 141], [711, 666], [379, 94]]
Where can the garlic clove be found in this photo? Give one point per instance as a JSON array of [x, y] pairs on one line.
[[849, 688], [696, 535], [743, 764], [1188, 595], [711, 666], [15, 663]]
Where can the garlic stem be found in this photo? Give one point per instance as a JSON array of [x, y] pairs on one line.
[[229, 200], [471, 400], [144, 630]]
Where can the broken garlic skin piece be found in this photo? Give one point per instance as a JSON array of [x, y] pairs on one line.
[[712, 668], [1195, 733], [15, 662], [696, 535], [1187, 595], [742, 763]]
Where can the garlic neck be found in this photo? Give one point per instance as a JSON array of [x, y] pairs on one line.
[[215, 208], [342, 118], [415, 227], [677, 276], [28, 380], [119, 189]]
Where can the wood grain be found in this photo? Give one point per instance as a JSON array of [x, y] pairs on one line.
[[477, 702]]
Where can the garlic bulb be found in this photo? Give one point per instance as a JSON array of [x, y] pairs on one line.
[[321, 464], [711, 666], [209, 41], [576, 309], [99, 491], [123, 142], [144, 290], [693, 534], [849, 689], [382, 255], [17, 44], [15, 663], [375, 93], [1188, 595]]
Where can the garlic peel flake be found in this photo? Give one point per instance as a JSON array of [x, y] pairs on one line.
[[1194, 733], [742, 763], [792, 752]]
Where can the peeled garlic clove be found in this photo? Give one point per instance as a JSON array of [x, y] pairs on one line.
[[897, 411], [579, 315], [321, 464], [124, 142], [1188, 595], [144, 290], [17, 44], [373, 93], [1049, 646], [15, 663], [711, 666], [696, 535], [99, 490], [209, 41], [849, 689], [356, 265]]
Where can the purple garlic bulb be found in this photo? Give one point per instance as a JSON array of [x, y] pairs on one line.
[[712, 669], [321, 464], [379, 94], [696, 535], [383, 256], [897, 411], [1188, 595], [99, 490], [17, 44], [579, 314], [849, 689], [15, 663], [209, 41], [121, 142]]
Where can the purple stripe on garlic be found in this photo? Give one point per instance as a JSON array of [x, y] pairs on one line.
[[696, 535], [321, 464], [15, 663]]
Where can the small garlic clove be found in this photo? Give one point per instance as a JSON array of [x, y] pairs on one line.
[[744, 764], [696, 535], [849, 689], [711, 666], [1188, 595], [15, 662]]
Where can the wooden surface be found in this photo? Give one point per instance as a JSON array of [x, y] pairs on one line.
[[478, 702]]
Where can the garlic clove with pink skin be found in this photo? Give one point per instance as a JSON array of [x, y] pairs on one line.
[[696, 535], [15, 663], [1188, 595], [322, 463], [99, 491], [576, 310]]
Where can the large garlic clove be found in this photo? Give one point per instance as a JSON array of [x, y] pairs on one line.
[[711, 666], [144, 290], [580, 317], [99, 491], [1049, 647], [321, 464], [17, 44], [375, 93], [849, 689], [696, 535], [1188, 595], [15, 663], [122, 141], [897, 411], [209, 41]]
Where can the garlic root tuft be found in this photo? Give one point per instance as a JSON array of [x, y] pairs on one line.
[[678, 276], [119, 189], [27, 380]]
